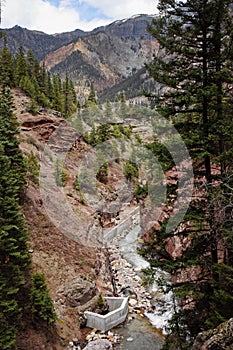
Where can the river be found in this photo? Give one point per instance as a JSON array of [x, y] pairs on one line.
[[142, 332]]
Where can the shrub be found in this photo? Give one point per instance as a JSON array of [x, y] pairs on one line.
[[130, 170]]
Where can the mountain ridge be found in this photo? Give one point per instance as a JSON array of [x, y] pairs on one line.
[[105, 56]]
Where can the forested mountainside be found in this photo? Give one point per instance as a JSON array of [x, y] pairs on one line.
[[104, 56]]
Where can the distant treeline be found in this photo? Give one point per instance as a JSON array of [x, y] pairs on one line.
[[24, 71]]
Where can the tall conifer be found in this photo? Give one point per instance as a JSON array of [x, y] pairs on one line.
[[194, 68], [14, 257]]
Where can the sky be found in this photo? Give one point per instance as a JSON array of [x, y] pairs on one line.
[[58, 16]]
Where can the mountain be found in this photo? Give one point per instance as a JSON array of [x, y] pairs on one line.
[[135, 26], [133, 86], [105, 56], [40, 43]]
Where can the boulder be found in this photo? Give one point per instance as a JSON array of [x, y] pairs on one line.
[[100, 344], [79, 292], [220, 338]]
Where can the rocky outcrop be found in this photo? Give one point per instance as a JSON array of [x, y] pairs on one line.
[[34, 128], [79, 292], [220, 338]]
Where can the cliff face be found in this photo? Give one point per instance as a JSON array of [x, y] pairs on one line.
[[136, 27]]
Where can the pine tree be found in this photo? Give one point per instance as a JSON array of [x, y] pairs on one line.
[[6, 66], [108, 113], [194, 68], [123, 106], [20, 66], [57, 91], [91, 100], [14, 257], [42, 306], [33, 67], [69, 98]]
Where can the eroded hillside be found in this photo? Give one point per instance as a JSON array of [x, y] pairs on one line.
[[102, 58], [75, 274]]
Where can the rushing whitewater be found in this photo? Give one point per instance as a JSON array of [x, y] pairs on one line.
[[162, 297]]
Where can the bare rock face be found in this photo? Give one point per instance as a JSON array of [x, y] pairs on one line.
[[100, 344], [220, 338]]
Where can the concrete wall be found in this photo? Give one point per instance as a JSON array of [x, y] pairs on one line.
[[118, 311], [120, 230]]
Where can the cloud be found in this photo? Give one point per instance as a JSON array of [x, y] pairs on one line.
[[56, 16], [38, 14], [124, 8]]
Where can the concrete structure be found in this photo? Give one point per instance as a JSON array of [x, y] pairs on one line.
[[118, 310], [119, 231]]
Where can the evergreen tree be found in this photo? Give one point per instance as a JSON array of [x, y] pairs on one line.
[[42, 306], [6, 66], [33, 67], [91, 100], [57, 91], [194, 68], [8, 132], [108, 114], [20, 66], [69, 98], [14, 257], [123, 107]]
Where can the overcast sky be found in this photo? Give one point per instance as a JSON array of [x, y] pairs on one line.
[[57, 16]]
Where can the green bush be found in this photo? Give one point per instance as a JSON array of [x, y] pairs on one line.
[[60, 175], [130, 170], [141, 192], [33, 168], [102, 173]]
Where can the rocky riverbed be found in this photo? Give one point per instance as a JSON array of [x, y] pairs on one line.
[[149, 308], [129, 283]]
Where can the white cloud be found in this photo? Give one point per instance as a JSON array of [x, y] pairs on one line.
[[42, 15], [124, 8], [38, 14]]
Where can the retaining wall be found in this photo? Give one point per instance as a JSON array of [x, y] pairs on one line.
[[125, 225], [118, 310]]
